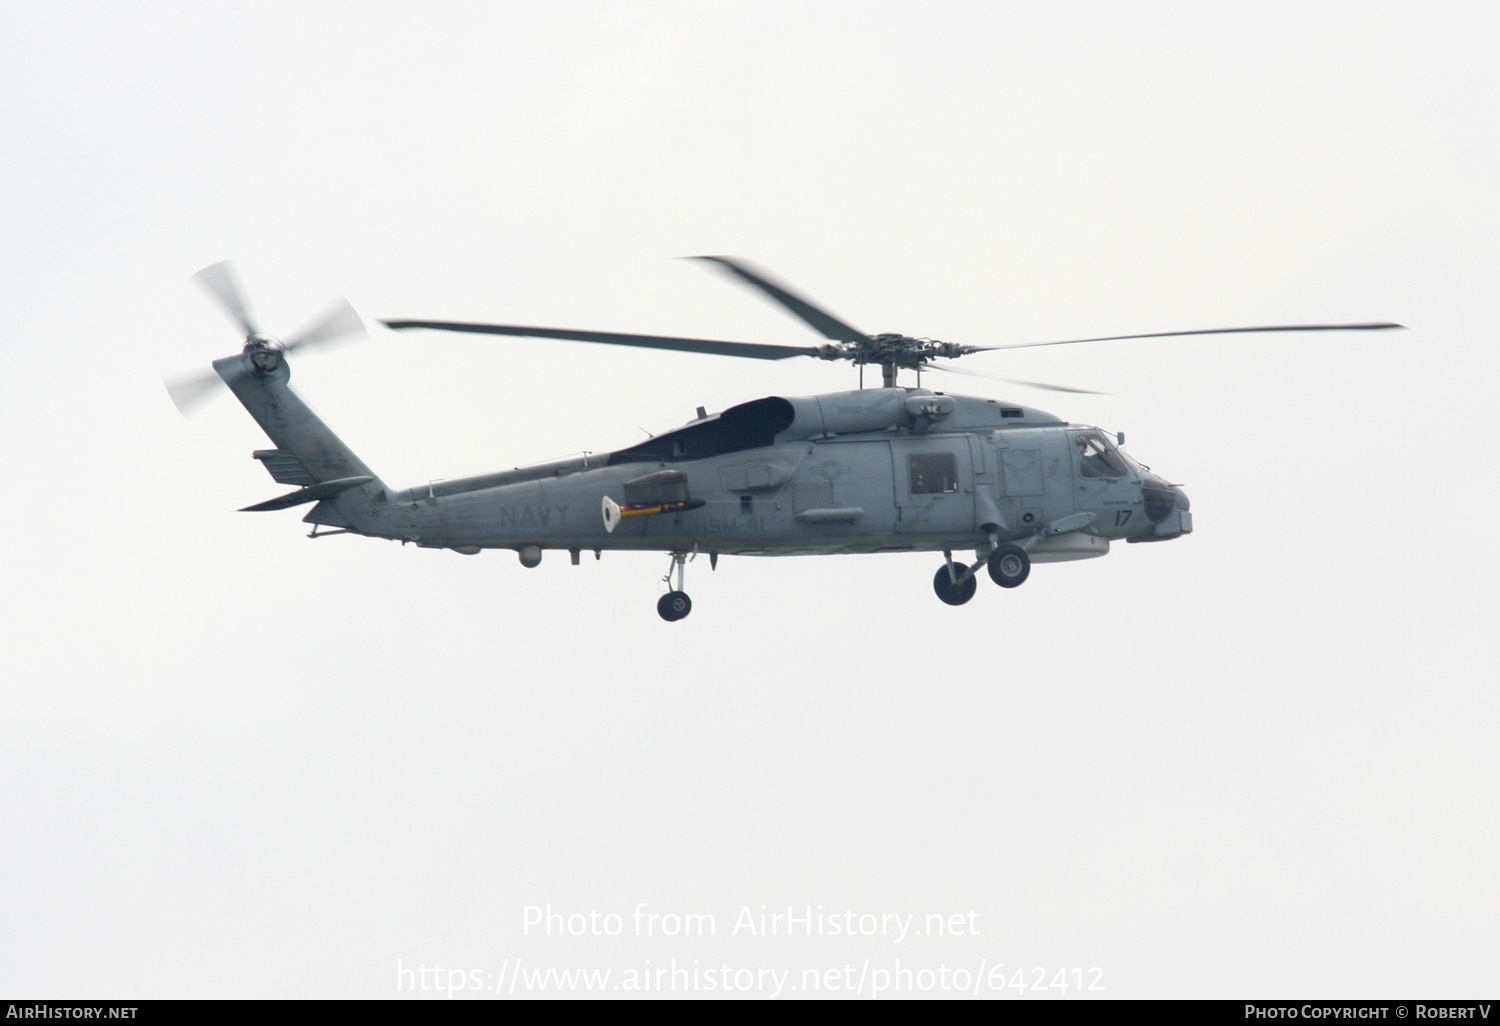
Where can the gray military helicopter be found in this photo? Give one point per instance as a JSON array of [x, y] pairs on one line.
[[888, 469]]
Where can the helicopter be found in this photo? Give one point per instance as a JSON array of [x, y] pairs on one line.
[[888, 469]]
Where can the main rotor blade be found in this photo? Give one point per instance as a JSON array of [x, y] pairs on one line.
[[189, 392], [1013, 381], [1381, 326], [339, 322], [750, 350], [218, 279], [822, 321]]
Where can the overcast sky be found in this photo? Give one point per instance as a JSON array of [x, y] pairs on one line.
[[1258, 761]]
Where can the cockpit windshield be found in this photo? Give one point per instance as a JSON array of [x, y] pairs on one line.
[[1097, 457]]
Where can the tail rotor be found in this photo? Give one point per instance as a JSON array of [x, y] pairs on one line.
[[263, 353]]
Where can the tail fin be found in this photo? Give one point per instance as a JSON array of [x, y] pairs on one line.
[[307, 453]]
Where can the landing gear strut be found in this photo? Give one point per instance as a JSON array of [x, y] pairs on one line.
[[675, 604]]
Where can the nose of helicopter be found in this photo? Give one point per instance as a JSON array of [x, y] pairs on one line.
[[1160, 497], [1166, 506]]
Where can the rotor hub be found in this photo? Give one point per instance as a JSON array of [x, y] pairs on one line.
[[264, 356], [895, 351]]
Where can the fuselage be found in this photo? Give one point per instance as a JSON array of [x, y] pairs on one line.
[[872, 470]]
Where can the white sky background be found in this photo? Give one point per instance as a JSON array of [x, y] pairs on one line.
[[1259, 761]]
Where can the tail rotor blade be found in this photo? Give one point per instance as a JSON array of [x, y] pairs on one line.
[[340, 321], [219, 280], [187, 393]]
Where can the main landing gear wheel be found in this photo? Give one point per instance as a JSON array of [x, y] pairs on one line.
[[1009, 566], [954, 594], [674, 605]]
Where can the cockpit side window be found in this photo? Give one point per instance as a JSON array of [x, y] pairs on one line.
[[1096, 457]]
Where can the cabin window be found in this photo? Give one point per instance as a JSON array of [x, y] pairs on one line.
[[1097, 458], [932, 473]]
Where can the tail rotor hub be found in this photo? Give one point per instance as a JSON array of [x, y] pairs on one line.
[[264, 356]]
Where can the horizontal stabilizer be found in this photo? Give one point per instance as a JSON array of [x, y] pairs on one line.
[[284, 467], [326, 490]]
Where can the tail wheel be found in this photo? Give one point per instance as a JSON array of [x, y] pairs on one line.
[[1009, 566], [674, 605], [954, 594]]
